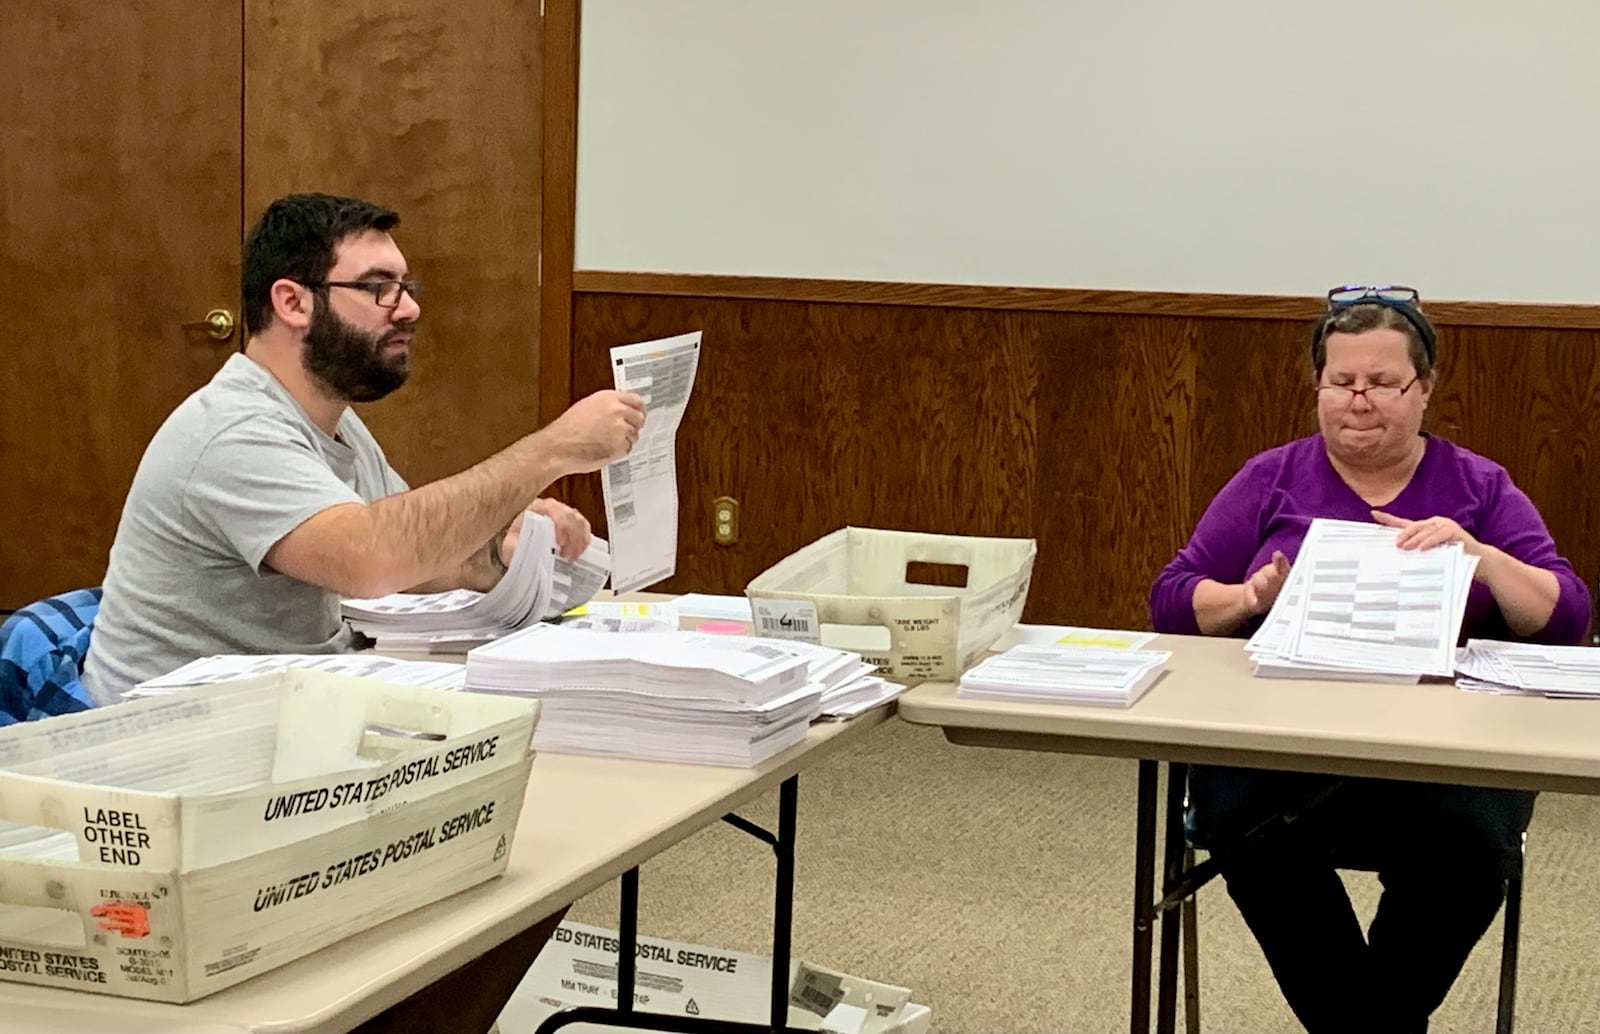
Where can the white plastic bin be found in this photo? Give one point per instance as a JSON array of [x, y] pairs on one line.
[[168, 848], [858, 576]]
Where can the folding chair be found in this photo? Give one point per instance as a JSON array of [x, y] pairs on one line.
[[1198, 875], [42, 647]]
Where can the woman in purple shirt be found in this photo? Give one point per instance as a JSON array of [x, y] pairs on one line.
[[1440, 851]]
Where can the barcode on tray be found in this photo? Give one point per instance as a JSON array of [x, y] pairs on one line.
[[819, 1002]]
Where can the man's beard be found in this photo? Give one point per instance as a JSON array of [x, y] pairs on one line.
[[351, 365]]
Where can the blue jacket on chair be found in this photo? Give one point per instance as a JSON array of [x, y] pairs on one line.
[[41, 657]]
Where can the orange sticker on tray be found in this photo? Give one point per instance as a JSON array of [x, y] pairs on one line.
[[128, 918]]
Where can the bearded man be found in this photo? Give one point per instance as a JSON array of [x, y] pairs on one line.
[[263, 499]]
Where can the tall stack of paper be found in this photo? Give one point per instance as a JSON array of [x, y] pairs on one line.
[[1551, 671], [1065, 675], [207, 671], [1357, 607], [539, 584], [659, 696]]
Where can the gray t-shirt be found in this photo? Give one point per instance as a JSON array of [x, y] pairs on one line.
[[235, 468]]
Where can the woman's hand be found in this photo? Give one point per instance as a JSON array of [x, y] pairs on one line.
[[1261, 589], [1426, 534]]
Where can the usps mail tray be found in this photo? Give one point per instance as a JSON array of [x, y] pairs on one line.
[[867, 577], [171, 847]]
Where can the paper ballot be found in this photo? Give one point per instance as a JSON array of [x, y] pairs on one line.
[[539, 584], [1530, 668], [641, 489], [1356, 607], [1113, 676], [205, 671]]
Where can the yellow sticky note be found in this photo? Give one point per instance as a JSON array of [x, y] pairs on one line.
[[1115, 642]]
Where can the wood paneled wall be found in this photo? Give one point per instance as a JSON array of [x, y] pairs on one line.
[[1102, 435]]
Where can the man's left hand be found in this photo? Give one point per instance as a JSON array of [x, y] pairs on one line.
[[572, 530]]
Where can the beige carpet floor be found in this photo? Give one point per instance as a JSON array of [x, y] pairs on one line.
[[998, 886]]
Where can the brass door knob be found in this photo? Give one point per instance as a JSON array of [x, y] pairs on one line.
[[218, 325]]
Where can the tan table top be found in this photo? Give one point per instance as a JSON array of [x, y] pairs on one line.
[[1208, 708], [585, 821]]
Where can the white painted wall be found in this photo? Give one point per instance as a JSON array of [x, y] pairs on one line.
[[1253, 146]]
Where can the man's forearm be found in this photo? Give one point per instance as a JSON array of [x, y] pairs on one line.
[[436, 535], [481, 572]]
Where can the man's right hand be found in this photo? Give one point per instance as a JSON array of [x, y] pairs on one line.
[[1261, 589], [596, 430]]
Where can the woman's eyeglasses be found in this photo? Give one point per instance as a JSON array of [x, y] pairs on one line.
[[1384, 294], [1377, 394]]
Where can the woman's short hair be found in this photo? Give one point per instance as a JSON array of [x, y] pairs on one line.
[[1360, 317]]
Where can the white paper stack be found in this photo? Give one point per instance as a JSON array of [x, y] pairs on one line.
[[718, 608], [655, 695], [227, 667], [850, 686], [623, 616], [1356, 607], [1073, 635], [539, 584], [1110, 677], [1552, 671]]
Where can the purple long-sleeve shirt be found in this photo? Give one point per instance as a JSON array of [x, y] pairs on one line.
[[1270, 503]]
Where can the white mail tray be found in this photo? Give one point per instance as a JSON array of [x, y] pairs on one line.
[[859, 577], [171, 847]]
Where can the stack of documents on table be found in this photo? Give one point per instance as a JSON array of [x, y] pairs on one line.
[[850, 686], [228, 667], [662, 696], [539, 584], [1356, 607], [1108, 676], [1073, 635], [1551, 671], [623, 616], [717, 608]]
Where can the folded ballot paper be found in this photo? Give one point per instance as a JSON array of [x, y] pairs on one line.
[[1529, 668], [539, 584], [206, 671], [1106, 676], [723, 700], [1356, 607]]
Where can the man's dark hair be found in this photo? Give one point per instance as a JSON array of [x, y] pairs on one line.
[[295, 239]]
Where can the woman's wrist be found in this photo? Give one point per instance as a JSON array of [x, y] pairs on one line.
[[1491, 564]]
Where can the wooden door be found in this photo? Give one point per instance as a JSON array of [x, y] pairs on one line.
[[431, 107], [119, 222]]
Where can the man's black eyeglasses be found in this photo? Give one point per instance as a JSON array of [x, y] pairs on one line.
[[386, 293]]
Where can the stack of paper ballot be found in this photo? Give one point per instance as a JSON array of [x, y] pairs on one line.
[[668, 696], [227, 667], [1357, 607], [1550, 671], [850, 686], [539, 584], [1065, 675]]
